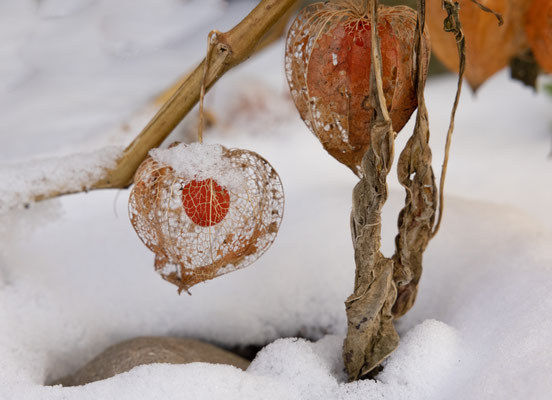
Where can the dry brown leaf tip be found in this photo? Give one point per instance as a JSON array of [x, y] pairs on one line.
[[205, 214]]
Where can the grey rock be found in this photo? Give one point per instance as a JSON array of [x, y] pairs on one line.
[[126, 355]]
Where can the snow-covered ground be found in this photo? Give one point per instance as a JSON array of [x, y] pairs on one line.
[[74, 277]]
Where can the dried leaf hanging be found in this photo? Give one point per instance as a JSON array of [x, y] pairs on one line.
[[386, 288], [371, 335], [205, 210], [328, 70]]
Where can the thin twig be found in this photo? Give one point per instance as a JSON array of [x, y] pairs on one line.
[[452, 24], [376, 64], [487, 9], [211, 39]]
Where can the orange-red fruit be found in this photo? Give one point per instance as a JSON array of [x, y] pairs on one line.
[[489, 47], [538, 28], [328, 61], [205, 202]]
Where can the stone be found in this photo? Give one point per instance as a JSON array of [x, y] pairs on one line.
[[126, 355]]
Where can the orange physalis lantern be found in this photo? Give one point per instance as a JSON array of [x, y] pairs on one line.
[[328, 61], [205, 210], [489, 46], [538, 28]]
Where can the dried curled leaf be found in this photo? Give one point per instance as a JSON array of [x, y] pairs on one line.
[[489, 46], [200, 229], [538, 28], [371, 336], [328, 63], [386, 288], [417, 218]]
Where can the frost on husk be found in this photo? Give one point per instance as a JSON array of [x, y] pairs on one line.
[[191, 248]]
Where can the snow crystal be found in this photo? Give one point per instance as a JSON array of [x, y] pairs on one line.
[[296, 363], [198, 161], [427, 358]]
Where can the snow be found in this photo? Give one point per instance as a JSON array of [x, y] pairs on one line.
[[200, 162], [22, 182], [74, 69], [74, 278]]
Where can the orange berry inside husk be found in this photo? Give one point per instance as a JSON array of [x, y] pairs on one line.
[[205, 202]]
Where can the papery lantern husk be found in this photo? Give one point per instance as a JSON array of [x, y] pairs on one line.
[[187, 253], [328, 61], [489, 47], [538, 29]]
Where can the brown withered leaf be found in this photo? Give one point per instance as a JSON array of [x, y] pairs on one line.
[[417, 218], [371, 335], [386, 288]]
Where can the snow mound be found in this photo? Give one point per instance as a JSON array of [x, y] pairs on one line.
[[297, 364], [429, 359], [491, 305], [293, 369]]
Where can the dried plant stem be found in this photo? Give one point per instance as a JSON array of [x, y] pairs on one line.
[[376, 70], [452, 24], [229, 49], [211, 40], [371, 336], [277, 31], [487, 9]]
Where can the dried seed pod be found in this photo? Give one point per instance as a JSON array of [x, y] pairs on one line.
[[205, 210], [489, 47], [328, 61], [538, 28]]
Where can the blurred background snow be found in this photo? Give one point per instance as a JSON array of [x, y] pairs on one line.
[[74, 277]]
